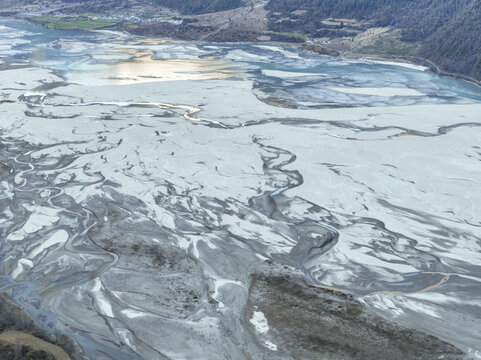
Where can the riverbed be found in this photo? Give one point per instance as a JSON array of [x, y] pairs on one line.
[[144, 181]]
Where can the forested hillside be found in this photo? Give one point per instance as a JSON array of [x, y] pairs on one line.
[[449, 31], [200, 6]]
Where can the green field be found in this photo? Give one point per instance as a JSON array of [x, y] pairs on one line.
[[389, 44], [74, 23]]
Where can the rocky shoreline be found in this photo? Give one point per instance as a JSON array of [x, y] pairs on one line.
[[414, 60]]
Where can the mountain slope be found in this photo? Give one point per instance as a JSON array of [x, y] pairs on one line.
[[456, 46], [447, 30]]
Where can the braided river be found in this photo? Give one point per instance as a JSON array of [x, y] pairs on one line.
[[143, 181]]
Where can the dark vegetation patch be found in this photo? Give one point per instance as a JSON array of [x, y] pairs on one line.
[[19, 352], [166, 29], [191, 7], [309, 322]]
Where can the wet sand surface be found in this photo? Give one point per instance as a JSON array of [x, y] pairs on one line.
[[144, 185]]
